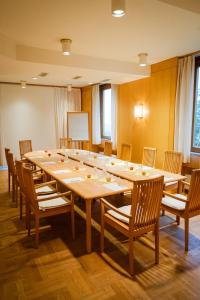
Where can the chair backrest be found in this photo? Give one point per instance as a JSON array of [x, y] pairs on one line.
[[29, 187], [11, 163], [149, 157], [173, 162], [126, 152], [194, 192], [65, 143], [7, 150], [25, 146], [146, 201], [108, 148], [19, 171]]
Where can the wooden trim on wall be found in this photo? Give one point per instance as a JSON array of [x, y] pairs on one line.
[[40, 85]]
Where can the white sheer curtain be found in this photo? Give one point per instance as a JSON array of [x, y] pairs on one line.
[[64, 102], [184, 106], [114, 95], [1, 133], [96, 124]]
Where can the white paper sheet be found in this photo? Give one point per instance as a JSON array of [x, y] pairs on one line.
[[48, 163], [74, 179], [64, 171], [114, 186]]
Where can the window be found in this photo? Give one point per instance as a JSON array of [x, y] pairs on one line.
[[105, 108], [196, 109]]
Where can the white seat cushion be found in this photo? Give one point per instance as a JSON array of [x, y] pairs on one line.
[[45, 189], [125, 209], [53, 203], [171, 183], [173, 203]]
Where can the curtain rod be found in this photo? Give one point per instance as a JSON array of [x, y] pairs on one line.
[[192, 53], [42, 85]]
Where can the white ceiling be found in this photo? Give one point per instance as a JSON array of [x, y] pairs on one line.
[[103, 46]]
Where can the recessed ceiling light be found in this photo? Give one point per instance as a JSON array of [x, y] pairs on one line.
[[34, 78], [43, 74], [77, 77], [66, 46], [118, 8], [23, 84], [142, 59]]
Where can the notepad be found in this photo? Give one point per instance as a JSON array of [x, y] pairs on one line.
[[64, 171], [114, 186], [48, 163], [74, 179], [32, 157]]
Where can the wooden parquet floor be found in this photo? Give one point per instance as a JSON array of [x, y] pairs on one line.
[[61, 269]]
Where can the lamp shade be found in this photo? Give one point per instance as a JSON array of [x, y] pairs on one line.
[[143, 59], [66, 46], [118, 8]]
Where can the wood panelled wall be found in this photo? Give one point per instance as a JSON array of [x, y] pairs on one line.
[[157, 93]]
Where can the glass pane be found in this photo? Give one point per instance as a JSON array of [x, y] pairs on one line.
[[196, 138], [107, 113]]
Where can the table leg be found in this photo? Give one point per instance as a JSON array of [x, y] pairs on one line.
[[88, 225]]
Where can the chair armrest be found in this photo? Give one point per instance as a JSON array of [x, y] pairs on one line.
[[175, 197], [108, 205], [45, 183], [56, 196], [186, 183], [36, 171]]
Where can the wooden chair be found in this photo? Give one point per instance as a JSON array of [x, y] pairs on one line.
[[185, 206], [126, 152], [141, 217], [149, 157], [7, 150], [42, 190], [13, 175], [50, 206], [65, 143], [108, 148], [172, 163], [25, 146]]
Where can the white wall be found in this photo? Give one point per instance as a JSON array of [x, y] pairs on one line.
[[27, 114]]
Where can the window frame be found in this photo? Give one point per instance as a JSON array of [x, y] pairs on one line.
[[197, 65], [102, 88]]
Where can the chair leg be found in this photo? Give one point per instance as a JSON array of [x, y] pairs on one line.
[[178, 220], [28, 219], [73, 224], [37, 225], [186, 234], [102, 229], [13, 189], [163, 212], [131, 256], [9, 181], [157, 244], [20, 206]]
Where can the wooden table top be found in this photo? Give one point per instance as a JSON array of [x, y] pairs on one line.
[[66, 172], [123, 169], [122, 173]]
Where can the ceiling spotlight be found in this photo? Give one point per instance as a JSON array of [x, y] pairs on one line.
[[23, 84], [118, 8], [66, 46], [69, 88], [34, 78], [142, 59]]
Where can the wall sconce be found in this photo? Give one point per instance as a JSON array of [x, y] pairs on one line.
[[139, 111]]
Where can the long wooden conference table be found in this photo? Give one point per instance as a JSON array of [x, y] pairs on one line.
[[91, 176]]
